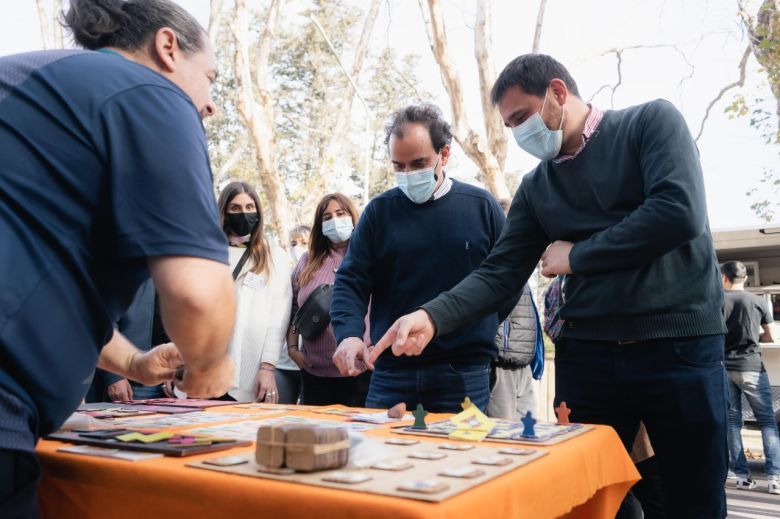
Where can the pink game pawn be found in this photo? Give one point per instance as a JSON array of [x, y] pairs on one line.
[[563, 413]]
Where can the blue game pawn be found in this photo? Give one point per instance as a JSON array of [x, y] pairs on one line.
[[528, 425]]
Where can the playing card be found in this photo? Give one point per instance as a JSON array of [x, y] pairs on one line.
[[456, 446], [226, 461], [427, 455], [516, 451], [394, 465], [348, 478], [493, 460], [465, 472], [401, 441], [423, 486]]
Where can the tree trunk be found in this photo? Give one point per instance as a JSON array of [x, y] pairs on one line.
[[483, 51], [43, 19], [257, 113], [471, 142], [336, 139], [57, 20], [215, 19], [539, 23]]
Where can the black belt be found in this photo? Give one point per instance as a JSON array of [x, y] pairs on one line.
[[510, 364]]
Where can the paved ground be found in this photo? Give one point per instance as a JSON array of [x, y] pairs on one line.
[[756, 503]]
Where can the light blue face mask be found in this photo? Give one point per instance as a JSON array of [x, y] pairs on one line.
[[536, 138], [338, 230], [418, 185]]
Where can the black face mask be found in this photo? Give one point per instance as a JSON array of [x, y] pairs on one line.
[[241, 224]]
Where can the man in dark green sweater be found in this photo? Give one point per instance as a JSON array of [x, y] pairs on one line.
[[618, 206]]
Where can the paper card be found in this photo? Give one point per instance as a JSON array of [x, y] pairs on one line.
[[395, 465], [401, 441], [469, 435], [456, 446], [255, 281], [226, 461], [377, 418], [464, 472], [516, 451], [348, 478], [129, 437], [102, 452], [423, 486], [427, 455], [156, 437], [493, 460]]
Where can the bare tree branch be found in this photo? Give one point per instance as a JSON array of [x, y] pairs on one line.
[[43, 20], [764, 34], [483, 51], [257, 113], [57, 20], [215, 19], [539, 22], [470, 141], [738, 83]]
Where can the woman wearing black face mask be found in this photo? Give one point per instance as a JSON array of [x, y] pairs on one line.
[[263, 295]]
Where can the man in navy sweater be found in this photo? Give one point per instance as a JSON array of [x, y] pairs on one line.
[[618, 206], [412, 243]]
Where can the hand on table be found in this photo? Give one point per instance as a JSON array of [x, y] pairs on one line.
[[211, 382]]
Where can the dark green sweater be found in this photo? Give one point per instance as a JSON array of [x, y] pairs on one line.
[[633, 204]]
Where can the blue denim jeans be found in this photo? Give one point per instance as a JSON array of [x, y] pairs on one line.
[[755, 387], [439, 388], [677, 387]]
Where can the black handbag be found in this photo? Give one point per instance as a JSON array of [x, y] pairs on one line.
[[313, 316]]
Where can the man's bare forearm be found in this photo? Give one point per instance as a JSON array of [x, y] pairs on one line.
[[197, 303]]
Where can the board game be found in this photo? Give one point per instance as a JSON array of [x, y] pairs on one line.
[[169, 444], [190, 419], [112, 408], [507, 431], [426, 470], [247, 430]]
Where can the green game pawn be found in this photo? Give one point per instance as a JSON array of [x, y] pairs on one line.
[[419, 418]]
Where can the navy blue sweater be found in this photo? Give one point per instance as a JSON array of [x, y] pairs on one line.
[[633, 204], [402, 255]]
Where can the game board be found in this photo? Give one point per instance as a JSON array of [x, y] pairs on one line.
[[183, 444], [402, 470], [190, 419], [247, 430], [507, 431], [178, 402], [95, 407]]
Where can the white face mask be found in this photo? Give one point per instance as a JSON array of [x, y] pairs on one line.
[[536, 138], [297, 251], [338, 230], [418, 185]]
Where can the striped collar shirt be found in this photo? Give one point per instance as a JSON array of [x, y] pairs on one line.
[[591, 123], [444, 188]]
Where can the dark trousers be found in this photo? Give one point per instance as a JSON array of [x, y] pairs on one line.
[[349, 391], [20, 474], [440, 388], [678, 388], [288, 384]]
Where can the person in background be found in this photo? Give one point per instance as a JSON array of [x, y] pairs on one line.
[[334, 220], [105, 180], [142, 325], [288, 375], [746, 316], [520, 358], [413, 242], [643, 333], [263, 295]]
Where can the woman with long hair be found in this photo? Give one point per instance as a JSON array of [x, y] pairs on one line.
[[334, 221], [263, 295]]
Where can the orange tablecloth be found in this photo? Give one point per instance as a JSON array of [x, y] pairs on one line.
[[585, 477]]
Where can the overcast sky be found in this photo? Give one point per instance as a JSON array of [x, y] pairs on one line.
[[577, 34]]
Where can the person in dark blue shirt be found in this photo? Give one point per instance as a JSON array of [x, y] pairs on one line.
[[104, 180], [412, 242]]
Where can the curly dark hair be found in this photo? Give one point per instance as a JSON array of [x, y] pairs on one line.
[[426, 114]]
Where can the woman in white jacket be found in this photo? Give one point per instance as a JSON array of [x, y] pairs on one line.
[[263, 295]]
